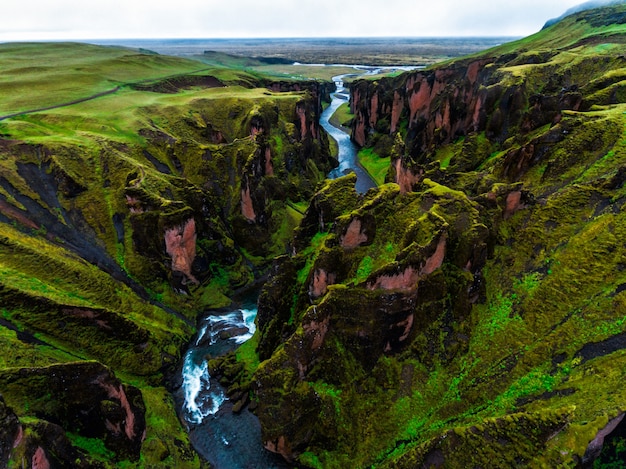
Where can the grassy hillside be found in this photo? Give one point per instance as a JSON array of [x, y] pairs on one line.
[[122, 217]]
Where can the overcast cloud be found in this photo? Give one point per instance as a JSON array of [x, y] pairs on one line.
[[22, 20]]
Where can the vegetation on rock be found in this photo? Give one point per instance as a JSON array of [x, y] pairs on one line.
[[136, 191], [471, 312]]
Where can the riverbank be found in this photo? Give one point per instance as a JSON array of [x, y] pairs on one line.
[[221, 427]]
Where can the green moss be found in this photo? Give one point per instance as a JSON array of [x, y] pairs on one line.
[[93, 446], [342, 116], [310, 460], [375, 165], [365, 268], [166, 441], [246, 353]]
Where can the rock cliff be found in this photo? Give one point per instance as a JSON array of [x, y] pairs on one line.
[[119, 224], [470, 312]]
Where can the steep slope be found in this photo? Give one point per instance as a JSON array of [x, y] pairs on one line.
[[582, 7], [469, 313], [122, 217]]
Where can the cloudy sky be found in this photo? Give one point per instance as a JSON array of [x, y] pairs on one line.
[[97, 19]]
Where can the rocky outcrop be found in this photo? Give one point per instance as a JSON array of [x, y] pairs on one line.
[[11, 432], [477, 445], [438, 106], [354, 235], [84, 398], [247, 207], [463, 313], [112, 240], [45, 445], [180, 245], [435, 108], [387, 310]]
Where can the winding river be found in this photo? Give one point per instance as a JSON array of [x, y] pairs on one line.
[[347, 154], [225, 439]]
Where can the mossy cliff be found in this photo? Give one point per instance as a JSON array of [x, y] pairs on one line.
[[123, 215], [472, 311]]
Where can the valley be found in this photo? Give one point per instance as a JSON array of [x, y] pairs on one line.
[[458, 301]]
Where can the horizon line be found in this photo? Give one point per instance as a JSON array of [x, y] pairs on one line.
[[247, 38]]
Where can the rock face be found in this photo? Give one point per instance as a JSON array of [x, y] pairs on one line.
[[366, 313], [112, 241], [470, 310], [180, 244], [11, 434], [84, 398]]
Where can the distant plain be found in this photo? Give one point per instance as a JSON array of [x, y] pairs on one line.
[[351, 51]]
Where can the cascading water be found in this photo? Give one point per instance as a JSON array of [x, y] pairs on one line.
[[226, 440]]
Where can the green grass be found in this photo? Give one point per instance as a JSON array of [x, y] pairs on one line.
[[375, 166], [109, 147], [342, 116], [40, 75]]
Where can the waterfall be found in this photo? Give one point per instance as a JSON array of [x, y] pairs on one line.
[[200, 398]]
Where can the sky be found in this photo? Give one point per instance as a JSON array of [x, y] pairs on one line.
[[34, 20]]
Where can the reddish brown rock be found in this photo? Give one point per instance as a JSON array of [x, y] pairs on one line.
[[405, 177], [17, 215], [478, 108], [85, 398], [321, 280], [472, 71], [316, 331], [513, 204], [117, 392], [301, 113], [280, 446], [404, 281], [408, 279], [408, 326], [354, 236], [269, 167], [396, 110], [180, 244], [374, 110], [40, 461], [436, 260], [247, 209], [440, 105], [358, 133]]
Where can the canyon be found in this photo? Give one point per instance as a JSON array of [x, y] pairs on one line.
[[467, 312]]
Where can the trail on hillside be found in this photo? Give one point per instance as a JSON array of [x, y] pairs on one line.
[[66, 104], [97, 95]]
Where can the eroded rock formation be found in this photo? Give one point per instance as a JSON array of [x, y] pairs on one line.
[[471, 310], [84, 398]]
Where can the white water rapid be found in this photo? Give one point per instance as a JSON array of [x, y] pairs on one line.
[[225, 439], [200, 399]]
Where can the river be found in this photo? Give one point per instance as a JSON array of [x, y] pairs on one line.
[[225, 439], [347, 154]]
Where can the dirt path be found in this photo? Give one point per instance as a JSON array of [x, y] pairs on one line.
[[99, 95], [68, 103]]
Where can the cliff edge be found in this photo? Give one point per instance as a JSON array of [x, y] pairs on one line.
[[470, 311]]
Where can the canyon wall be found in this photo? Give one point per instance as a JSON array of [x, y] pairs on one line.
[[470, 310], [117, 232]]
